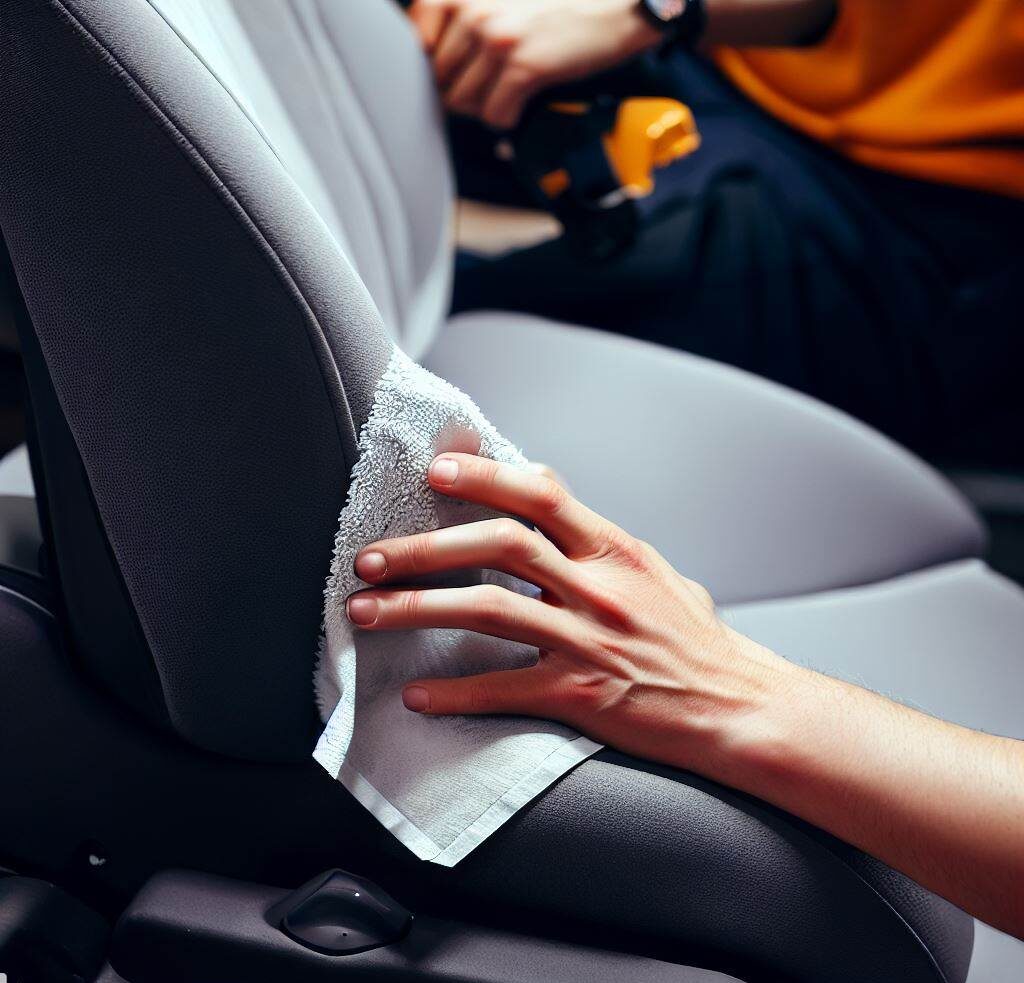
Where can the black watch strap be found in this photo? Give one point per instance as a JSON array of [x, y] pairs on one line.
[[680, 21]]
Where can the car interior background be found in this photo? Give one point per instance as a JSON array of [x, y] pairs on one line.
[[215, 215]]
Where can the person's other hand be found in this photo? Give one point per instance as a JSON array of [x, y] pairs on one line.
[[631, 652], [491, 57]]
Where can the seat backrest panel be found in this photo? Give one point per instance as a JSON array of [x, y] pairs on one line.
[[210, 348], [344, 97]]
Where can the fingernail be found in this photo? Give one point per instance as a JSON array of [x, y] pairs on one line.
[[371, 566], [416, 698], [362, 610], [444, 471]]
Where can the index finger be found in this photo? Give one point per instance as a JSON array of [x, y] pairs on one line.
[[574, 528]]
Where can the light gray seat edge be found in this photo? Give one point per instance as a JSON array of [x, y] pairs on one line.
[[15, 473], [20, 536], [753, 489], [944, 640]]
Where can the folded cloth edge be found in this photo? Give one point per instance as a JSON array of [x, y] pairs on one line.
[[562, 760]]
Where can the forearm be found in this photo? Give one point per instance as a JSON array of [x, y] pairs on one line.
[[939, 802], [767, 23]]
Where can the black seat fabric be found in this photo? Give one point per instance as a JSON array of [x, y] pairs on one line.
[[190, 334], [617, 854]]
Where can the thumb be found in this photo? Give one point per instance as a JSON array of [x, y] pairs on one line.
[[508, 691]]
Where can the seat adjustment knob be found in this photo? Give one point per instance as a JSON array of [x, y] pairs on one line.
[[338, 913]]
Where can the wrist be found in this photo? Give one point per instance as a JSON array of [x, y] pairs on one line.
[[797, 740], [758, 740]]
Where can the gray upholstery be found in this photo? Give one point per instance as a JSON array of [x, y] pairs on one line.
[[15, 474], [195, 248], [20, 537], [364, 145], [751, 488], [945, 640]]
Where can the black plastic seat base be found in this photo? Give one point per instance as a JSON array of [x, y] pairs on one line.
[[47, 936], [190, 926]]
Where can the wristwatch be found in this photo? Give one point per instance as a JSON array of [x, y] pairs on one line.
[[680, 21]]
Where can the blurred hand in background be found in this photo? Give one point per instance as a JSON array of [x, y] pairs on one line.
[[491, 57]]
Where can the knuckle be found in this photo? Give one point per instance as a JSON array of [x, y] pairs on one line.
[[613, 611], [410, 603], [491, 604], [647, 551], [417, 553], [481, 469], [491, 470], [481, 695], [702, 594], [513, 540], [633, 553], [548, 496]]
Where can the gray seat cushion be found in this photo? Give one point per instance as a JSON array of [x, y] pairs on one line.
[[946, 641], [20, 537], [750, 488], [15, 474]]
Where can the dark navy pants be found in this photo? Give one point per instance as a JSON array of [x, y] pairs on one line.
[[898, 300]]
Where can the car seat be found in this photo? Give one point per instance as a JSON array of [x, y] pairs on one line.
[[217, 214]]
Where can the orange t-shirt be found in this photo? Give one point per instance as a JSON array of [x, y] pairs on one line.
[[932, 89]]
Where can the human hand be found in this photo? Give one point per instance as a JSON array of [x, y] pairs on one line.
[[633, 655], [491, 57], [631, 652]]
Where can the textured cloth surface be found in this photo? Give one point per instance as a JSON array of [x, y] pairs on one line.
[[440, 784]]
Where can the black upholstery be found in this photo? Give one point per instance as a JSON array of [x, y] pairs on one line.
[[617, 854], [190, 340]]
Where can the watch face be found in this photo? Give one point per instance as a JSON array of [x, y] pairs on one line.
[[666, 10]]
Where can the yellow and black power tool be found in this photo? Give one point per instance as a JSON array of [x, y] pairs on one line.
[[590, 162]]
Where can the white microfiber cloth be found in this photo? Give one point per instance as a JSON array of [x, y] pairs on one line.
[[440, 784]]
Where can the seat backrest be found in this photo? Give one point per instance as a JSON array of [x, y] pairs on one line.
[[344, 98], [201, 349]]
